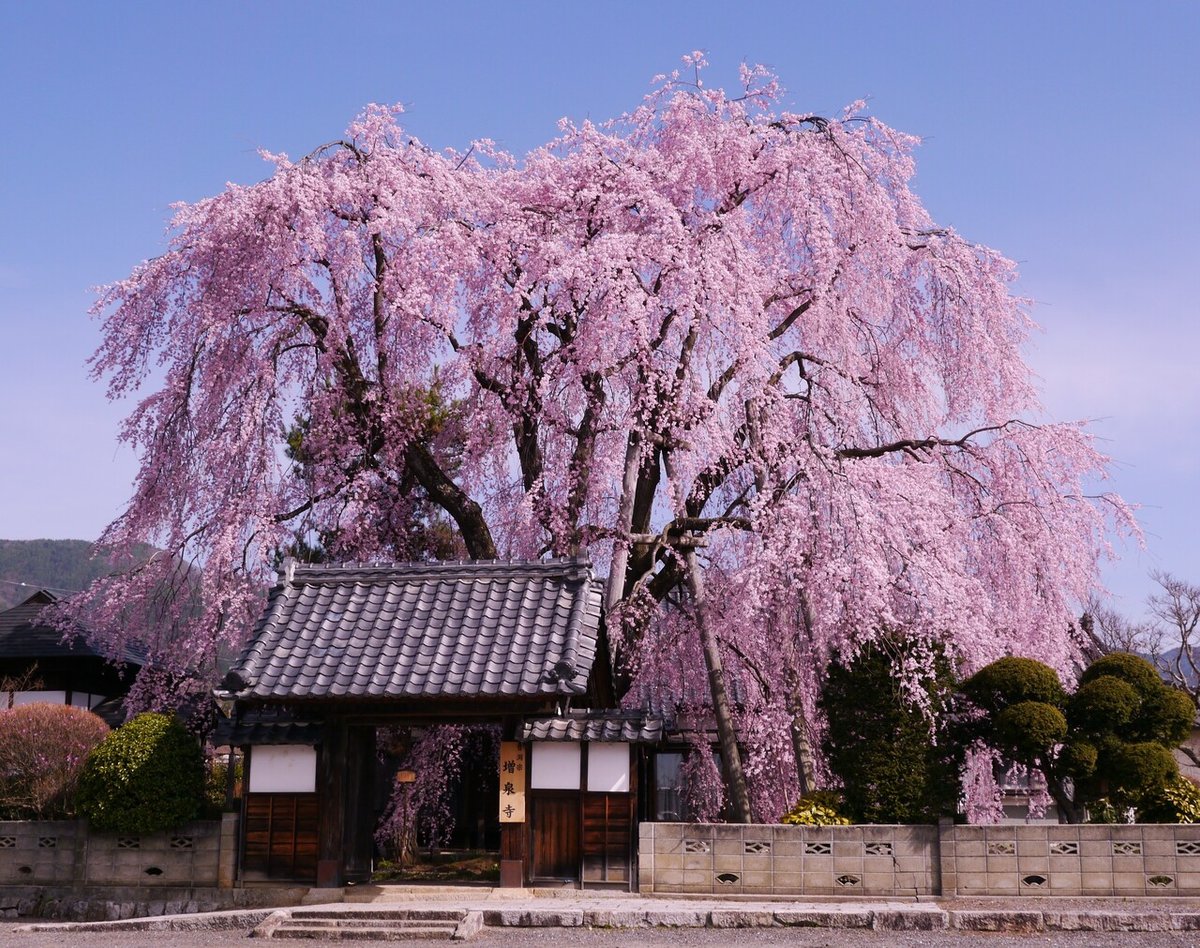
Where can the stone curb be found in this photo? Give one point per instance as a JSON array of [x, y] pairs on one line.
[[917, 918], [239, 919]]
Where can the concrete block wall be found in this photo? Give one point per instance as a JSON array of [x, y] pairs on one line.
[[732, 859], [61, 852], [38, 852], [1039, 859], [1123, 860]]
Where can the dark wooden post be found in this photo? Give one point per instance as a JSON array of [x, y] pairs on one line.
[[359, 803], [331, 800], [513, 850]]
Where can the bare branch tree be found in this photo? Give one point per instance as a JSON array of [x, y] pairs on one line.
[[1170, 637], [1176, 612], [1116, 632]]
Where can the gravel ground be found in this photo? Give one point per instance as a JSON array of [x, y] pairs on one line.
[[681, 938]]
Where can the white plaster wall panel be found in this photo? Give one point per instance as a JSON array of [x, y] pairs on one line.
[[283, 768], [608, 768], [555, 765]]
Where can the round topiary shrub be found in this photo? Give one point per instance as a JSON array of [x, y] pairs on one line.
[[1103, 704], [1079, 759], [1012, 680], [145, 777], [1138, 769], [42, 751], [1029, 730], [1129, 668], [1168, 716]]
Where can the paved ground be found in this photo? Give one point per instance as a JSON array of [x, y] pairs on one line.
[[681, 938], [593, 920]]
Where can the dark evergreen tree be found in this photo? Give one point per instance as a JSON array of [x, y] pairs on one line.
[[896, 762]]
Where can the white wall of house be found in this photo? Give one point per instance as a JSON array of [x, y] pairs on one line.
[[79, 699]]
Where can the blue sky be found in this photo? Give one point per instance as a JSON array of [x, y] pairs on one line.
[[1065, 134]]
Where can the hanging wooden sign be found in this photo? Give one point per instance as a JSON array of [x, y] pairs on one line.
[[512, 782]]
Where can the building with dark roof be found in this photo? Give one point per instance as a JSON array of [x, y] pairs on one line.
[[341, 650], [47, 665]]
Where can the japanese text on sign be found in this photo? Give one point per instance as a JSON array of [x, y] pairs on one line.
[[512, 782]]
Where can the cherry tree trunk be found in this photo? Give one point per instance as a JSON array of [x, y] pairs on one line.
[[615, 587], [801, 747], [731, 758]]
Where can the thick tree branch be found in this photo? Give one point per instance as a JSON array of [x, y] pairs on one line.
[[453, 499]]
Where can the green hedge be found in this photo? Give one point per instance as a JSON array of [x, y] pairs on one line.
[[144, 777]]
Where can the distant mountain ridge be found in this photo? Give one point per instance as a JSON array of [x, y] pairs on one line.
[[62, 566]]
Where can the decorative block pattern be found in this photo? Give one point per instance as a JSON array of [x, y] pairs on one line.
[[787, 860], [1079, 861], [57, 852], [899, 861]]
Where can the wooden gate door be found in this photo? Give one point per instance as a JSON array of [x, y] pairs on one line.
[[607, 836], [555, 831], [280, 837]]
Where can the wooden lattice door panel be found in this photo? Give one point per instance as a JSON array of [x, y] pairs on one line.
[[281, 836], [607, 836], [555, 830]]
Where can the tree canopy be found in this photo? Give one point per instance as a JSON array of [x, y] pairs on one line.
[[716, 344]]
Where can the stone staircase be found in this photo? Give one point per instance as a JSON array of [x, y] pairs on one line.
[[378, 924]]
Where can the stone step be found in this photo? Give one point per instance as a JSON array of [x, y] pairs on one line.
[[353, 922], [366, 933], [398, 914], [377, 924]]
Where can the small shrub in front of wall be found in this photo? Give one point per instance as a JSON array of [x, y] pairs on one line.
[[1177, 802], [42, 752], [817, 809], [147, 776]]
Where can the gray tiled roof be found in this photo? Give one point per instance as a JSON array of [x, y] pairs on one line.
[[625, 726], [424, 630], [23, 634]]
